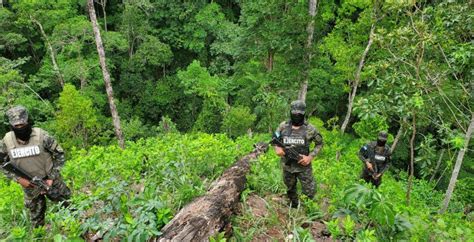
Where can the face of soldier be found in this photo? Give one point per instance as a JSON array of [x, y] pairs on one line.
[[22, 131], [381, 143], [297, 119]]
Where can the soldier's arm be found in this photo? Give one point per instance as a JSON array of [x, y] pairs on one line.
[[363, 153], [3, 159], [57, 153], [318, 140], [280, 128]]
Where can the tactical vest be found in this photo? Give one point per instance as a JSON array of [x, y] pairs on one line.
[[378, 158], [31, 157], [296, 138]]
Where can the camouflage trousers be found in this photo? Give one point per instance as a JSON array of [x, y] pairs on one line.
[[367, 176], [35, 201], [306, 178]]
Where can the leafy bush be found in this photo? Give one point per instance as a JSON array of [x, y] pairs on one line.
[[369, 127], [237, 121], [77, 122]]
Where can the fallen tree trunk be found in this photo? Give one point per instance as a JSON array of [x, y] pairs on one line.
[[208, 214]]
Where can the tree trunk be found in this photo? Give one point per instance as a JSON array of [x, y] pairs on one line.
[[441, 176], [438, 164], [105, 72], [103, 3], [208, 214], [412, 159], [269, 61], [398, 135], [457, 166], [309, 54], [355, 83], [51, 52], [82, 72]]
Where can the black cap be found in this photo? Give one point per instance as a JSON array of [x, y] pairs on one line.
[[382, 136]]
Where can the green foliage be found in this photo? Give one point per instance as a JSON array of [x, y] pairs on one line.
[[196, 80], [303, 235], [218, 238], [366, 236], [237, 121], [166, 125], [369, 127], [18, 233], [152, 52], [313, 209], [134, 129], [334, 229], [77, 122], [427, 156]]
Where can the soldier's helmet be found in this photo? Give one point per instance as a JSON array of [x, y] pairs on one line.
[[382, 136], [17, 115], [298, 107]]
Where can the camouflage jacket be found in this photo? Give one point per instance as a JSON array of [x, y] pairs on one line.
[[379, 157]]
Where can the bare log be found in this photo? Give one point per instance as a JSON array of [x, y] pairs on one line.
[[208, 214]]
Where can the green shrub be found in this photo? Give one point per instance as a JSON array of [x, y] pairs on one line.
[[237, 121]]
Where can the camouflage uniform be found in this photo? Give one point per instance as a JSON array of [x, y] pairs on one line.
[[45, 161], [379, 156], [300, 139]]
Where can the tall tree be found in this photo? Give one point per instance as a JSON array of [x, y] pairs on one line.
[[457, 166], [309, 54], [355, 82], [51, 51], [105, 72], [412, 159]]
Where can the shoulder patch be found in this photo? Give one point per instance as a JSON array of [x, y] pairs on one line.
[[282, 126]]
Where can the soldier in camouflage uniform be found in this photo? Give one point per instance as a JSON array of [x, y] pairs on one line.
[[36, 152], [376, 158], [299, 134]]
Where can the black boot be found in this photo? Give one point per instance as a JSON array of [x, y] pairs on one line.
[[294, 203]]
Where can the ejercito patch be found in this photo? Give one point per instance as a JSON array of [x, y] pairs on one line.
[[25, 152], [293, 141], [379, 157]]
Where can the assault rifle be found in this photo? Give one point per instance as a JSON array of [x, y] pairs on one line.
[[35, 180], [290, 153], [369, 154]]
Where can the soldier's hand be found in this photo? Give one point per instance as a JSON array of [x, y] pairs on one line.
[[305, 160], [24, 183], [279, 151], [376, 176], [49, 183], [369, 166]]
